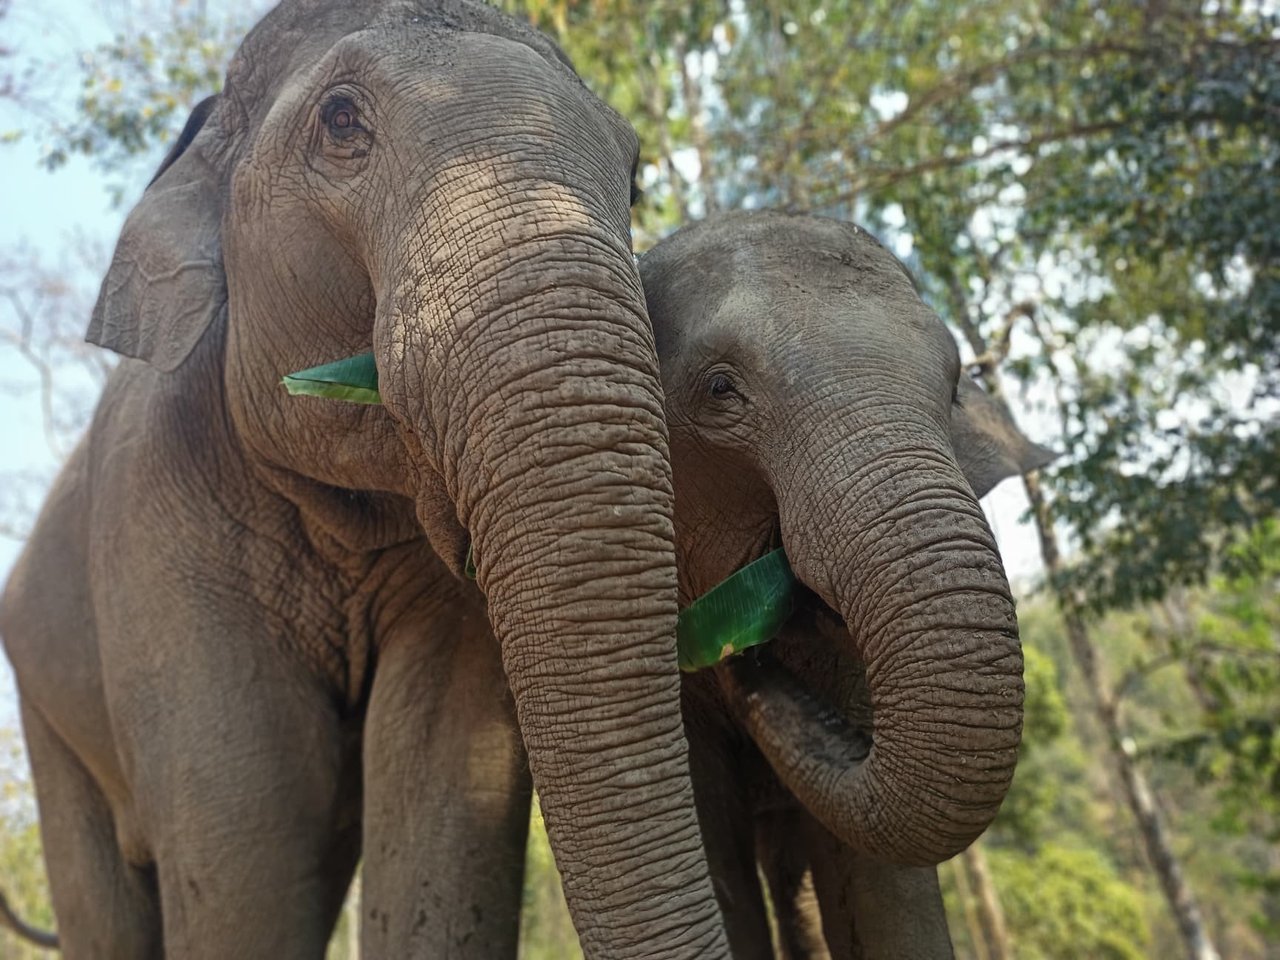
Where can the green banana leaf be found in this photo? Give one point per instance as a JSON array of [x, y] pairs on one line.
[[354, 379], [747, 609]]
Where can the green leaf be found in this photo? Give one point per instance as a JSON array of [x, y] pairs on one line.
[[745, 610], [354, 379]]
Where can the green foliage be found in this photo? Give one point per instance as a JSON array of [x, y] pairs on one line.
[[137, 92], [1069, 902], [1170, 409], [1230, 649], [1176, 680], [546, 931]]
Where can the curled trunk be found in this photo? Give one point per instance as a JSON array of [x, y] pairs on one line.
[[902, 552]]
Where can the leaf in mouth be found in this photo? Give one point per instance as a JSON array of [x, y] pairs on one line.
[[747, 609]]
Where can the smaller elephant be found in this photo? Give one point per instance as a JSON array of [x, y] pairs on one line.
[[246, 654], [816, 403]]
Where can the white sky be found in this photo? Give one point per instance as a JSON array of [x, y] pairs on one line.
[[43, 209]]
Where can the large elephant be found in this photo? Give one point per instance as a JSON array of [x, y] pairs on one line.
[[244, 650], [816, 403]]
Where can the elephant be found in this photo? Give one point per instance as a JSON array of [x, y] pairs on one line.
[[775, 331], [246, 652], [815, 403]]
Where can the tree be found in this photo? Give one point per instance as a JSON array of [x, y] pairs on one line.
[[1069, 903]]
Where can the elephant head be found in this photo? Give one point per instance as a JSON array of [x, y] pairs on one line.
[[815, 402], [431, 177]]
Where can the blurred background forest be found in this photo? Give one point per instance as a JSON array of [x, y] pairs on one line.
[[1089, 193]]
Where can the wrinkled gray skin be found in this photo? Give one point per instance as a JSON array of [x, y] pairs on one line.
[[244, 653], [816, 403], [829, 901]]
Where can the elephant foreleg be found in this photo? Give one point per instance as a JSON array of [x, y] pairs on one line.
[[873, 910], [243, 776], [784, 861], [724, 815], [106, 909], [447, 792]]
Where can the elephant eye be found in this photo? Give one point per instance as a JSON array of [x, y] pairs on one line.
[[721, 386], [340, 118]]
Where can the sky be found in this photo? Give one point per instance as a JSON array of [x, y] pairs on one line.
[[45, 210]]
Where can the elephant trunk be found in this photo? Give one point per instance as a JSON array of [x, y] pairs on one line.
[[552, 445], [900, 548]]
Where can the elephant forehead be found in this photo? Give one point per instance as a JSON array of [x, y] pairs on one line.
[[297, 33], [801, 332], [760, 309], [819, 305], [494, 85]]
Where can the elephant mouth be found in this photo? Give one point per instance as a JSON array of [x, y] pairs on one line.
[[781, 631], [842, 735], [817, 644], [746, 609], [813, 660]]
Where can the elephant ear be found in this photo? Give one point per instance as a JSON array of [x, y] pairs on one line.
[[165, 284], [988, 444]]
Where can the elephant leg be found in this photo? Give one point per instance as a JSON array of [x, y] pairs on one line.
[[721, 795], [106, 908], [447, 793], [873, 910], [784, 861], [249, 782]]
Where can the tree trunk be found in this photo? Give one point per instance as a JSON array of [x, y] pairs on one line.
[[353, 920], [977, 940], [1151, 825], [990, 914], [1155, 833]]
